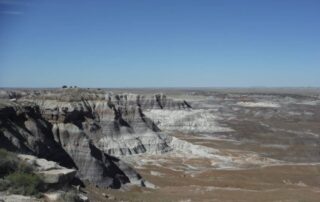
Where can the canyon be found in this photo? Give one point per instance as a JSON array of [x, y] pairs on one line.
[[172, 144]]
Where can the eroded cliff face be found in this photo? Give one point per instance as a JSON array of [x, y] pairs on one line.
[[25, 130], [86, 130], [116, 124]]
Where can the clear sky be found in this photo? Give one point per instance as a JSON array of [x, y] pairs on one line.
[[159, 43]]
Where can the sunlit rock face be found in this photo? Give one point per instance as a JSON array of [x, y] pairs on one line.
[[49, 171], [116, 124], [24, 130], [86, 129], [196, 121]]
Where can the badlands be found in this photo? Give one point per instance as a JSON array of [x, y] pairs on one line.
[[173, 144]]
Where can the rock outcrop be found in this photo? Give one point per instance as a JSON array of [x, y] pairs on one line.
[[50, 172], [25, 130], [116, 124], [86, 130], [18, 198]]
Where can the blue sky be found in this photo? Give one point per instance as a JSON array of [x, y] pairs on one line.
[[163, 43]]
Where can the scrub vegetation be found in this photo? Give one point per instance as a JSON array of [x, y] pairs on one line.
[[16, 176]]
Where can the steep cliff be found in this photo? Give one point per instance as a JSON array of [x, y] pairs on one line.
[[25, 130], [86, 130], [115, 123]]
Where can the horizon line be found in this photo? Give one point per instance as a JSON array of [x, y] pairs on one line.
[[154, 87]]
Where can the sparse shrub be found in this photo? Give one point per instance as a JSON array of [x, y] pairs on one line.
[[4, 184], [4, 153], [24, 183], [8, 162], [17, 175]]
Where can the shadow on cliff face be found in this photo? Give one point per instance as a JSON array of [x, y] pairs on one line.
[[112, 170], [76, 117], [69, 133], [24, 130], [149, 123]]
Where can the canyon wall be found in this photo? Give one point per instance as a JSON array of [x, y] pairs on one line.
[[86, 130]]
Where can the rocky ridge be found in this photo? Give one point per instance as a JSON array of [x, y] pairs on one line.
[[85, 130]]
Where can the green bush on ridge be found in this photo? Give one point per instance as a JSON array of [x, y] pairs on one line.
[[17, 176], [8, 162], [24, 183]]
